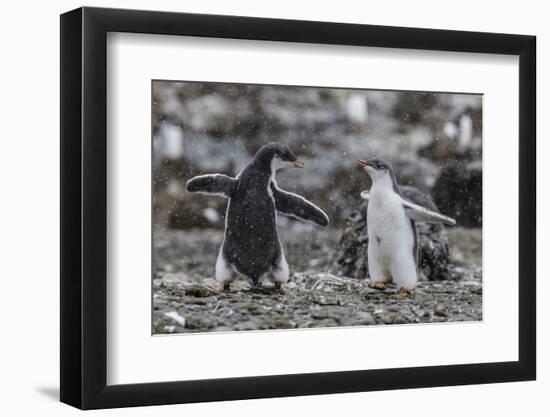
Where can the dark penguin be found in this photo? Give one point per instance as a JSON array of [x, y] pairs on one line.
[[251, 245]]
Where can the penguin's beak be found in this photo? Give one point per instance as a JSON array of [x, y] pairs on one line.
[[362, 163], [297, 163]]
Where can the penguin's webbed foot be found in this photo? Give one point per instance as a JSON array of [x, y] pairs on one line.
[[378, 285], [404, 291], [278, 287]]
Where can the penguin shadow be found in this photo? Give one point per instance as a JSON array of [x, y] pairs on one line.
[[245, 288], [266, 290]]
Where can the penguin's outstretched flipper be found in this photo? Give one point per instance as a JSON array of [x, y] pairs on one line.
[[365, 195], [294, 205], [422, 214], [213, 184]]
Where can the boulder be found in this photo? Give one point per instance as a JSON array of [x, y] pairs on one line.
[[459, 192]]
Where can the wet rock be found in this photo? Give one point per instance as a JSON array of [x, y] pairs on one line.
[[458, 192], [200, 322], [254, 324], [199, 291], [322, 323], [324, 299], [361, 318], [190, 300], [330, 312], [441, 310], [433, 244]]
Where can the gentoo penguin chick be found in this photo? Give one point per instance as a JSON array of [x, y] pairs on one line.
[[391, 224], [251, 246]]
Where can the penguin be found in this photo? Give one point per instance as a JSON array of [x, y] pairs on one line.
[[391, 224], [251, 247]]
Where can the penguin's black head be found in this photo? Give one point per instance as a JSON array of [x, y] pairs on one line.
[[376, 163], [376, 167], [277, 155]]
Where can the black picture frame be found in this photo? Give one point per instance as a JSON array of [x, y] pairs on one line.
[[84, 207]]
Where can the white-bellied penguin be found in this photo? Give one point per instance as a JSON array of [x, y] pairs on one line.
[[391, 224], [251, 246]]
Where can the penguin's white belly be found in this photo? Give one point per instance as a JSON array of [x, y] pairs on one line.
[[391, 237]]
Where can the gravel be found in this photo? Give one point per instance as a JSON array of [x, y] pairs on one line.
[[185, 300]]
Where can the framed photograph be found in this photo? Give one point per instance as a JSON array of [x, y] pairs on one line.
[[259, 208]]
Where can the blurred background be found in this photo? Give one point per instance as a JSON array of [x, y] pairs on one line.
[[433, 140]]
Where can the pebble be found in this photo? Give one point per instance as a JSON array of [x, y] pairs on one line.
[[311, 299], [441, 310]]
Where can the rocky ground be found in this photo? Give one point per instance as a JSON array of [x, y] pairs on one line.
[[184, 299]]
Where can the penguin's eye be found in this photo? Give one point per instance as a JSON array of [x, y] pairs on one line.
[[277, 156]]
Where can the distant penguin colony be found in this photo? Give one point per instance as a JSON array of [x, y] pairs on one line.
[[251, 246], [391, 224]]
